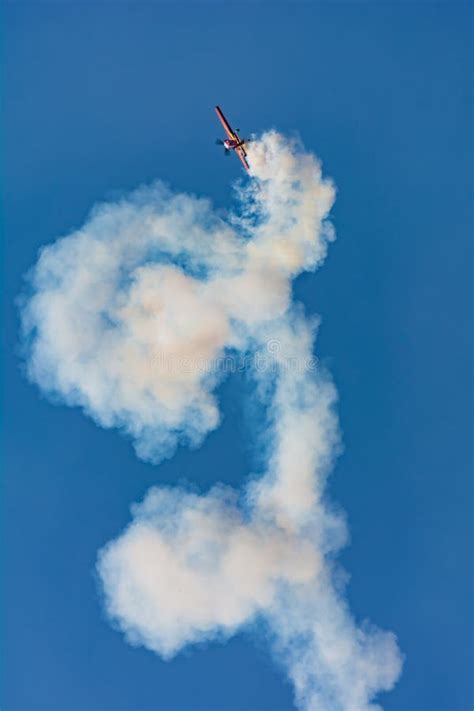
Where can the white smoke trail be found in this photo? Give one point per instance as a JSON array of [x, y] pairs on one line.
[[128, 318]]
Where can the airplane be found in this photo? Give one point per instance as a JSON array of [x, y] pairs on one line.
[[233, 142]]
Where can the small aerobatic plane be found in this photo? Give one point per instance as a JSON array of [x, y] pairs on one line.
[[233, 142]]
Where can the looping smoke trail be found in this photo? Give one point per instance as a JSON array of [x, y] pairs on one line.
[[128, 319]]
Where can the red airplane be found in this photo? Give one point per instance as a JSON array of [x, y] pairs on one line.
[[233, 142]]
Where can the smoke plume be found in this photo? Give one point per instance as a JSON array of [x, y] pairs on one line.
[[133, 318]]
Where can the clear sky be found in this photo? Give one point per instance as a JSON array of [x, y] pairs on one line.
[[101, 97]]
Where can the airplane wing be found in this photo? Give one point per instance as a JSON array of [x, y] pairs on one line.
[[230, 133], [241, 152]]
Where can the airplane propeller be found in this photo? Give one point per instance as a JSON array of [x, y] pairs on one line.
[[221, 143]]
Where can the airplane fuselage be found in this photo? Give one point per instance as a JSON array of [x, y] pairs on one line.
[[229, 144]]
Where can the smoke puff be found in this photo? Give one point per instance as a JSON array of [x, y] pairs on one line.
[[129, 318], [190, 567]]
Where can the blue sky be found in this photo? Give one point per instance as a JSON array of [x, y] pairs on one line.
[[99, 98]]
